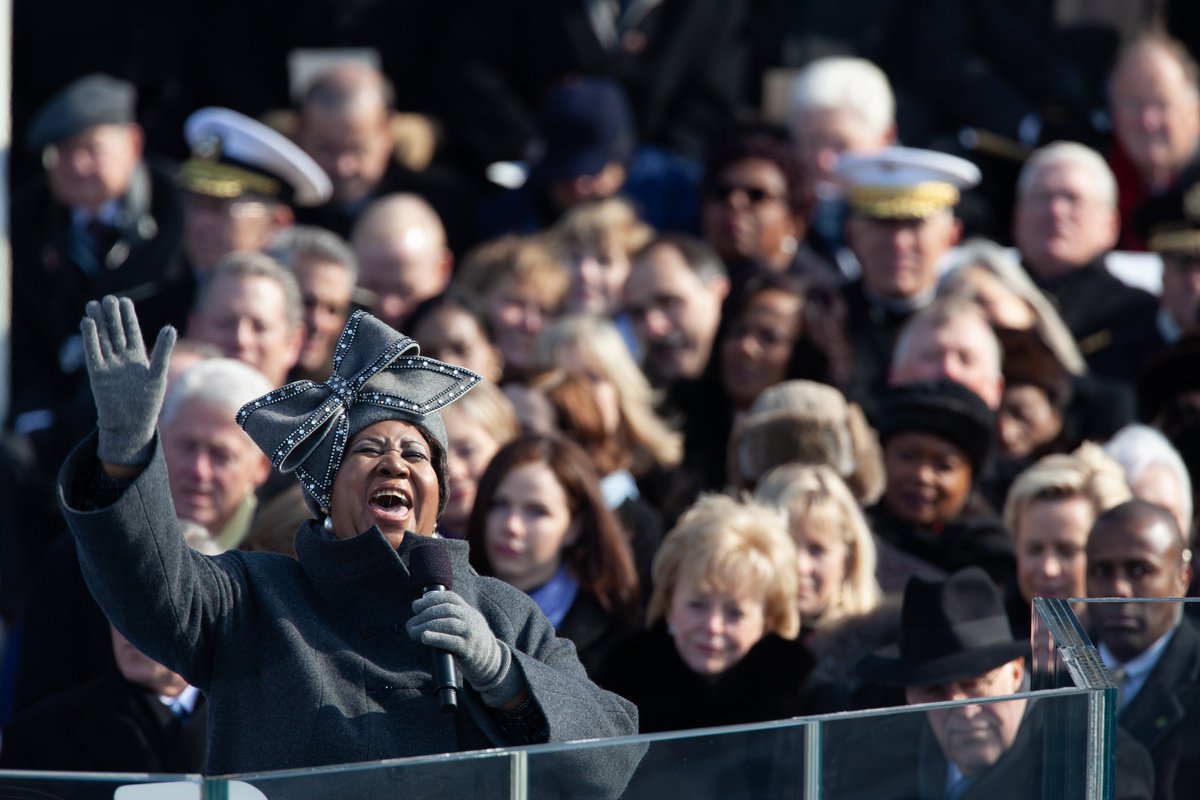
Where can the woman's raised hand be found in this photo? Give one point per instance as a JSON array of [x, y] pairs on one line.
[[128, 387]]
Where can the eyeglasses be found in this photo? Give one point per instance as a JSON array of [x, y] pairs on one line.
[[721, 192]]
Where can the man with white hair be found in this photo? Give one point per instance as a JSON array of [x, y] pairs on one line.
[[950, 339], [402, 257], [213, 467], [1154, 471], [1065, 223], [837, 105]]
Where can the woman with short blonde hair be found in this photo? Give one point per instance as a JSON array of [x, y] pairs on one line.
[[723, 647], [1049, 512], [729, 545]]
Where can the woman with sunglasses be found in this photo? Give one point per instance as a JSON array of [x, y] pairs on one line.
[[755, 205]]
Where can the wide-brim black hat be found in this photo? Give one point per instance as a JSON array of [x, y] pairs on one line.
[[950, 630]]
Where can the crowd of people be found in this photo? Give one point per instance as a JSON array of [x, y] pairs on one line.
[[797, 367]]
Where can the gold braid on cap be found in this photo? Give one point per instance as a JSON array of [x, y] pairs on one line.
[[916, 201], [1182, 241], [218, 179]]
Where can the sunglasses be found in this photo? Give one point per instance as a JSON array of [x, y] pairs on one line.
[[754, 195]]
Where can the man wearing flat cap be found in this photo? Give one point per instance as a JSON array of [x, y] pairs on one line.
[[101, 218], [954, 645], [901, 224]]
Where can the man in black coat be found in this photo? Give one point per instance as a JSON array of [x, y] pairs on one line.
[[139, 717], [1135, 550], [955, 644], [100, 219], [1065, 224], [346, 123]]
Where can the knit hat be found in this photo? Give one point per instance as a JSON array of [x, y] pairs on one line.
[[378, 375], [944, 409]]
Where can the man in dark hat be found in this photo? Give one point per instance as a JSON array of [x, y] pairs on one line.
[[955, 644], [580, 152], [100, 219]]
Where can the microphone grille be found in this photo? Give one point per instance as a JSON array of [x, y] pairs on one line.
[[429, 564]]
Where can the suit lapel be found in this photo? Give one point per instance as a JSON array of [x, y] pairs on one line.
[[1155, 709]]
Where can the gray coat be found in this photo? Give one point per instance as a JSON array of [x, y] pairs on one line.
[[307, 662]]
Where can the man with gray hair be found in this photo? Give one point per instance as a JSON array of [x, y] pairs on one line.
[[837, 105], [1064, 224], [213, 467], [951, 339], [327, 271], [249, 306], [1154, 470]]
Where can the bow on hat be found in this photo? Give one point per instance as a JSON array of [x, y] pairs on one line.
[[378, 374]]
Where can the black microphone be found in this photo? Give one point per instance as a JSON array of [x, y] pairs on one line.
[[430, 569]]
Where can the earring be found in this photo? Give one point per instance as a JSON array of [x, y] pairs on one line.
[[788, 244], [327, 525]]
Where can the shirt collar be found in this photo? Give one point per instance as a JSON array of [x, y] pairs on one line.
[[1139, 667]]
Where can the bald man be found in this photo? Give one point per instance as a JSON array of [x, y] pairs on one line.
[[1135, 550], [346, 124], [402, 257]]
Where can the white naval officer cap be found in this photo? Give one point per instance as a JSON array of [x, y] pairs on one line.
[[233, 155], [904, 182]]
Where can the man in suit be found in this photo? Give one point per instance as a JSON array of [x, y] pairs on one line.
[[1135, 550], [140, 717], [955, 644], [1065, 223]]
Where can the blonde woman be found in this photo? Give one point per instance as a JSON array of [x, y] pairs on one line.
[[476, 427], [834, 549], [1049, 512], [596, 242], [521, 286], [722, 648], [592, 347]]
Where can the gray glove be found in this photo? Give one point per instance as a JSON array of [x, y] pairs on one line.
[[446, 621], [128, 387]]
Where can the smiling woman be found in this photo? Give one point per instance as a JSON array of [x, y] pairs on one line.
[[723, 648], [337, 630]]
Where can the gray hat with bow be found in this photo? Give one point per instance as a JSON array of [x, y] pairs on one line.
[[378, 375]]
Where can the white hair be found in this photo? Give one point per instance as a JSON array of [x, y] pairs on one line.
[[1137, 447], [219, 382], [842, 82], [1057, 153]]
